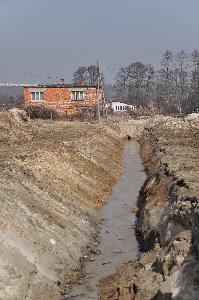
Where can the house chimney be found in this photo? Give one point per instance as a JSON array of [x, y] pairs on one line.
[[61, 81]]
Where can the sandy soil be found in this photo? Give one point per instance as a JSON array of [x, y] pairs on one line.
[[118, 243], [53, 176], [167, 227]]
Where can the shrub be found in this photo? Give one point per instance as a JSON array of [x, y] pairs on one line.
[[41, 112]]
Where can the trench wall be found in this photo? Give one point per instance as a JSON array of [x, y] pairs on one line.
[[124, 127], [53, 176], [167, 226]]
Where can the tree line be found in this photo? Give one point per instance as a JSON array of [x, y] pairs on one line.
[[173, 88]]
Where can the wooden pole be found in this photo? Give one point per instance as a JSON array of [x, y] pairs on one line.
[[98, 91]]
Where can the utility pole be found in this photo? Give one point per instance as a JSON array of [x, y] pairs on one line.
[[103, 97], [98, 91]]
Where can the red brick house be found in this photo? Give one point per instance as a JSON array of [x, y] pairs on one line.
[[67, 98]]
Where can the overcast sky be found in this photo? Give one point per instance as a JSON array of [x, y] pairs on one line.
[[54, 37]]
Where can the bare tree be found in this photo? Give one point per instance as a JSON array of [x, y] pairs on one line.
[[121, 85], [166, 75], [182, 78], [134, 83], [80, 75], [173, 80], [195, 72], [93, 73], [166, 62], [87, 75], [174, 88], [193, 100]]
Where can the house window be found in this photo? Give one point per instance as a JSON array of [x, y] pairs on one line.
[[77, 95], [37, 96]]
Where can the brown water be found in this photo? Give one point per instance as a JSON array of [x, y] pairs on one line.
[[118, 242]]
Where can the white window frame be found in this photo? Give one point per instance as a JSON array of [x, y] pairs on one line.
[[40, 96], [77, 95]]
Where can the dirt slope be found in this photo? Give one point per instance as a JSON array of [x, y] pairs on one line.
[[53, 175], [124, 126], [168, 227]]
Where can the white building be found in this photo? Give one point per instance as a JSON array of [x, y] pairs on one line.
[[121, 107]]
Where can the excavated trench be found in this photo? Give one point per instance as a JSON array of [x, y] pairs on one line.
[[118, 244]]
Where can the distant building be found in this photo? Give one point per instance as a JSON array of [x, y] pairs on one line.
[[67, 98], [121, 107]]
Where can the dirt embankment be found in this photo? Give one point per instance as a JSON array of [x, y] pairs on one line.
[[168, 217], [53, 175], [124, 127]]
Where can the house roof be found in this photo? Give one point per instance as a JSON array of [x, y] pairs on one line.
[[58, 85]]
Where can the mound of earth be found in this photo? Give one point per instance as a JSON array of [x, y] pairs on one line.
[[167, 226], [53, 176]]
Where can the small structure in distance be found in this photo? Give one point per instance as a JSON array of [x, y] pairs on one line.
[[120, 107], [66, 98]]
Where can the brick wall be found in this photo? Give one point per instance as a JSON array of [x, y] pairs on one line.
[[59, 98]]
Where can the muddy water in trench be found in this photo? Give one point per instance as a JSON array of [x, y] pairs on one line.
[[118, 242]]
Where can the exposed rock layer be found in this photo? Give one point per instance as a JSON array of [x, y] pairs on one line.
[[168, 226]]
